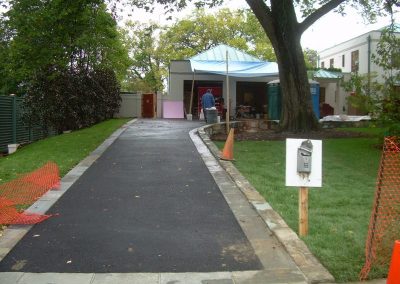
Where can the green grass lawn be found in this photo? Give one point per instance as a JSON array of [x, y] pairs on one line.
[[375, 131], [339, 212], [66, 150]]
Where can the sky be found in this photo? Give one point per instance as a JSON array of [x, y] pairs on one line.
[[333, 29], [328, 31]]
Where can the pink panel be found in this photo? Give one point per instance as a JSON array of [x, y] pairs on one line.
[[173, 109]]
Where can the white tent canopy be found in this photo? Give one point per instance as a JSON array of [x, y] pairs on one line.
[[236, 68], [240, 64]]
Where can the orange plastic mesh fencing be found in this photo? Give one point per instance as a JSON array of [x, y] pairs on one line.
[[25, 190], [384, 227], [30, 187], [10, 215]]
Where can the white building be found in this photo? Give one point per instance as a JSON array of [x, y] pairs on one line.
[[332, 97], [351, 56], [354, 55], [246, 83]]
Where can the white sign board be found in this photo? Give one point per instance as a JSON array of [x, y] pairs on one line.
[[293, 177]]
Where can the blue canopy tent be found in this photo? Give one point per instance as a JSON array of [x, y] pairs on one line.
[[225, 60], [236, 68]]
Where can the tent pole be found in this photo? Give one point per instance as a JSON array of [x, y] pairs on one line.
[[227, 95], [191, 94]]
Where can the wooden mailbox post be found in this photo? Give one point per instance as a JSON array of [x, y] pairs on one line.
[[303, 170]]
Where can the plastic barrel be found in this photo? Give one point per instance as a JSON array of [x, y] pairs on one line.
[[212, 116], [315, 98], [275, 99], [274, 102]]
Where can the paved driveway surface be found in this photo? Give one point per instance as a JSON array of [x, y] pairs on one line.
[[148, 204]]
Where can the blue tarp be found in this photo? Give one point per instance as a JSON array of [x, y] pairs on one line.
[[236, 68]]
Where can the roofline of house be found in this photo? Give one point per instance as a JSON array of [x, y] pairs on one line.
[[180, 60], [362, 35]]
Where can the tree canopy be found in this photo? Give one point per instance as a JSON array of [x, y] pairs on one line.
[[152, 46], [145, 72], [79, 34], [388, 58], [201, 31], [65, 57]]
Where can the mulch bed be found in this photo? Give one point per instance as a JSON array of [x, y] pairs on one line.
[[264, 135]]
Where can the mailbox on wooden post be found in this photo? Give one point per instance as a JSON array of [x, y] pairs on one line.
[[303, 170]]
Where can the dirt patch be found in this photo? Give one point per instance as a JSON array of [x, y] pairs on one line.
[[239, 252], [19, 264], [263, 135]]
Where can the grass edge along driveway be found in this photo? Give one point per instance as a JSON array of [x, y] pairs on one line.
[[339, 212], [67, 150]]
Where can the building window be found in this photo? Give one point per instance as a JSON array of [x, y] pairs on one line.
[[395, 61], [343, 60], [354, 61], [322, 64], [331, 63]]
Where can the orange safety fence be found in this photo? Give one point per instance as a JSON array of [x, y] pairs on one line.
[[384, 227], [25, 190]]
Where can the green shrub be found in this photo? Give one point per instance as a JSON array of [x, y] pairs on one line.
[[72, 99], [394, 130]]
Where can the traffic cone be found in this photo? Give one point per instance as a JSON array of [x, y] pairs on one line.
[[394, 269], [227, 152]]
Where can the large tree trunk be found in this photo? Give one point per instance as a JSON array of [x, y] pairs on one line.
[[280, 24], [297, 112]]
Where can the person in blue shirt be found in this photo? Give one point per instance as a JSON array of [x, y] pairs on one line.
[[207, 101]]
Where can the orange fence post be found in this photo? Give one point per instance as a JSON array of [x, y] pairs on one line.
[[394, 270]]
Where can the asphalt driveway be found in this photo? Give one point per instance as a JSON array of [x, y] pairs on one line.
[[148, 204]]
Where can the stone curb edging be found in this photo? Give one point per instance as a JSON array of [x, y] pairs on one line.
[[278, 266], [14, 233], [313, 270]]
